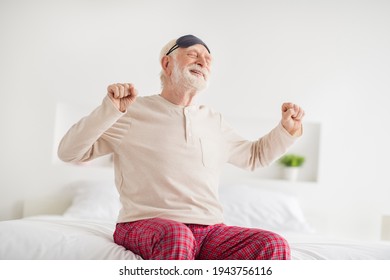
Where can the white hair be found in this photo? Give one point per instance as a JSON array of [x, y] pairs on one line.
[[163, 52]]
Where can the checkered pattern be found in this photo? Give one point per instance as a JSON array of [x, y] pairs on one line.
[[162, 239]]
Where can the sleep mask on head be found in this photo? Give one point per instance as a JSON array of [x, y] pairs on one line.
[[187, 41]]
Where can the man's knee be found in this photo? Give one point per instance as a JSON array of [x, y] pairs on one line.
[[275, 247]]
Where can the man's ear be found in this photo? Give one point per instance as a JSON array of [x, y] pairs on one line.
[[165, 64]]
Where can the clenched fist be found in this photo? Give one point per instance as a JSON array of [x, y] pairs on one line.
[[122, 95], [292, 116]]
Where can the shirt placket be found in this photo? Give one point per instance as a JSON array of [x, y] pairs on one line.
[[189, 126]]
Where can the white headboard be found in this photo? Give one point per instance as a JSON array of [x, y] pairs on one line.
[[48, 205]]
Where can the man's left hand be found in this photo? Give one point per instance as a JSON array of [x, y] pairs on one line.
[[292, 116]]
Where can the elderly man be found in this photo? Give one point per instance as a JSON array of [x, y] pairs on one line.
[[168, 154]]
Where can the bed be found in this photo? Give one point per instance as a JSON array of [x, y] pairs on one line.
[[84, 230]]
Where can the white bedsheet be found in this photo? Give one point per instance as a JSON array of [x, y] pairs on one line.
[[57, 237], [316, 247]]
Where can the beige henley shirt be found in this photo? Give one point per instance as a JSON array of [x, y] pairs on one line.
[[168, 158]]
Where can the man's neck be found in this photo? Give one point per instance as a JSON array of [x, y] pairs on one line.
[[182, 97]]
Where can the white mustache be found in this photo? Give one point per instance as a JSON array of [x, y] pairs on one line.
[[196, 67]]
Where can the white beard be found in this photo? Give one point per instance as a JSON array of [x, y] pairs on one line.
[[185, 79]]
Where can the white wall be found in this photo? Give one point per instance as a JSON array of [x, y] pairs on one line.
[[331, 57]]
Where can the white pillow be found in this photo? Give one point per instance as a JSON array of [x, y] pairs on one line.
[[94, 200], [252, 206]]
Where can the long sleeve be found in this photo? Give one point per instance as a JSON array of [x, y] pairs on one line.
[[94, 135], [253, 154]]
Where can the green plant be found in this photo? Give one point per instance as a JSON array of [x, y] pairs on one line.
[[291, 160]]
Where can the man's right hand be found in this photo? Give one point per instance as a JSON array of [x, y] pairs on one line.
[[122, 95]]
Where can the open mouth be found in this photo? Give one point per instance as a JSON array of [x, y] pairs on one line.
[[197, 73]]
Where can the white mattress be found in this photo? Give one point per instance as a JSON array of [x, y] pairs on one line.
[[58, 237]]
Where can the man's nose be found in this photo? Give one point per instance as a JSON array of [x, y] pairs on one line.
[[201, 61]]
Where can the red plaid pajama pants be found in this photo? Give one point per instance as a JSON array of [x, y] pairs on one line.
[[162, 239]]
